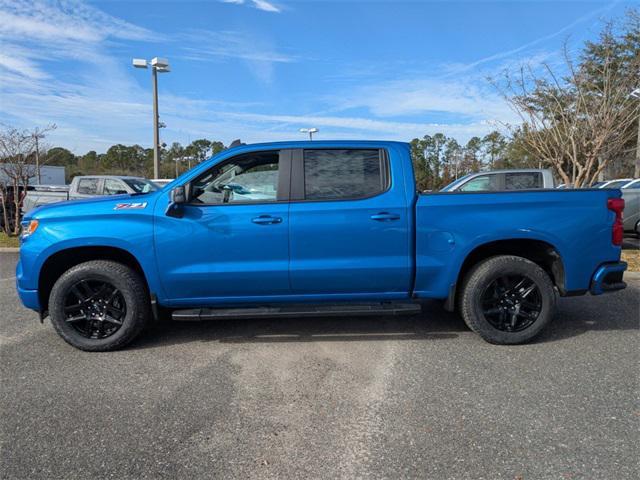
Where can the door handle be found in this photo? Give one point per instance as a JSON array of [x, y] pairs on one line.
[[385, 217], [266, 220]]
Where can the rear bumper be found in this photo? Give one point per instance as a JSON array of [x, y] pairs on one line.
[[608, 278]]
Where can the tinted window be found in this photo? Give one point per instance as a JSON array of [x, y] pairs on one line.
[[342, 174], [483, 183], [633, 185], [113, 187], [246, 178], [617, 184], [88, 186], [140, 185], [522, 181]]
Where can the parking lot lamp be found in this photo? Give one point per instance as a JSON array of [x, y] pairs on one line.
[[158, 65], [310, 131]]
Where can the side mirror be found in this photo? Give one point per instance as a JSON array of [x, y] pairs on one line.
[[179, 195]]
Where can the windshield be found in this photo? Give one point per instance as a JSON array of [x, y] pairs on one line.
[[455, 183], [617, 184], [140, 185]]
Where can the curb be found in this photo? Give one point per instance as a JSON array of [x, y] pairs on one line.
[[9, 250]]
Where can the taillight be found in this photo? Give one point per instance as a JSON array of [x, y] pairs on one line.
[[616, 205]]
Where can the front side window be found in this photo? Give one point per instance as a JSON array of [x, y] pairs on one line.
[[483, 183], [343, 174], [88, 186], [522, 181], [247, 178]]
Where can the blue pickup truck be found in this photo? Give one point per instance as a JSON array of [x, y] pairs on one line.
[[315, 228]]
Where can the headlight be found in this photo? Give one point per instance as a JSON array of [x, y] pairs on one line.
[[28, 227]]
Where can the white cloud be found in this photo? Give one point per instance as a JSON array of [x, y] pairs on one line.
[[266, 6], [263, 5], [257, 52], [60, 21]]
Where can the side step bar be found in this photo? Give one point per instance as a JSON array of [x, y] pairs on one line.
[[288, 311]]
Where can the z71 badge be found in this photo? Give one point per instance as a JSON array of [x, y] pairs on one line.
[[130, 206]]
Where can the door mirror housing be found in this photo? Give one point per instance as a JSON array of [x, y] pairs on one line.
[[179, 195], [177, 198]]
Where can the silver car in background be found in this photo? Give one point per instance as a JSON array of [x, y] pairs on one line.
[[631, 215], [497, 180]]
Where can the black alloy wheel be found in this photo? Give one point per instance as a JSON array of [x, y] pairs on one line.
[[511, 303], [95, 308]]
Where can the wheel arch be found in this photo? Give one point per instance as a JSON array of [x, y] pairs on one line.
[[539, 252], [61, 261]]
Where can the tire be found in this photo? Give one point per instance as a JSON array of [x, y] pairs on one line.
[[490, 314], [124, 311]]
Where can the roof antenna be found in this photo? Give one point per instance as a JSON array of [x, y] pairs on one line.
[[236, 143]]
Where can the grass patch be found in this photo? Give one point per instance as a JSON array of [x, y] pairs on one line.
[[632, 257], [7, 241]]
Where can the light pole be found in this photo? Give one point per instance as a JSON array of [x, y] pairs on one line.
[[310, 131], [37, 135], [158, 65]]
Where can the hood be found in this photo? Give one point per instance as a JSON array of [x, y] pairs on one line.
[[93, 206]]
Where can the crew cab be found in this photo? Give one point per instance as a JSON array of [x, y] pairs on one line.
[[315, 228]]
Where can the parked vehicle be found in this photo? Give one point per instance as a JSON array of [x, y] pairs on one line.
[[617, 183], [161, 182], [631, 195], [497, 180], [315, 228], [86, 187]]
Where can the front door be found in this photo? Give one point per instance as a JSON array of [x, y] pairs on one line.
[[350, 225], [231, 243]]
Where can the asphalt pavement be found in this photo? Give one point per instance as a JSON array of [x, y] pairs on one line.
[[381, 397]]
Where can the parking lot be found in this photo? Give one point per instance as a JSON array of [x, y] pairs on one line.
[[416, 397]]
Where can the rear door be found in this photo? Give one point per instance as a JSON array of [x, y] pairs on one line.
[[349, 224]]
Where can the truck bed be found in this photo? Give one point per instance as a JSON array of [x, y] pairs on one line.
[[576, 223]]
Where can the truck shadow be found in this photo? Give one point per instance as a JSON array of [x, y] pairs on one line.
[[574, 317], [444, 325]]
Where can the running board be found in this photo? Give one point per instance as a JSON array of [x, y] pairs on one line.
[[316, 310]]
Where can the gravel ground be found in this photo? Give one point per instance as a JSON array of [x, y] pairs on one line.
[[383, 397]]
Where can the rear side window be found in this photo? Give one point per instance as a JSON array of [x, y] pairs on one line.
[[483, 183], [522, 181], [88, 186], [343, 174]]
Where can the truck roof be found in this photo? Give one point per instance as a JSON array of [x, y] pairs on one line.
[[319, 143], [108, 176]]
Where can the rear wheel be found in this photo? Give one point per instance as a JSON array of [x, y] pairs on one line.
[[99, 305], [507, 300]]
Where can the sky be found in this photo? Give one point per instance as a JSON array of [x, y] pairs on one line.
[[260, 70]]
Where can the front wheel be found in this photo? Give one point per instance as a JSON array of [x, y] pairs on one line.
[[507, 300], [99, 305]]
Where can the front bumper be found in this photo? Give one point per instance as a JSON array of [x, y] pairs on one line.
[[608, 278], [28, 297]]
